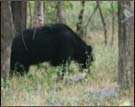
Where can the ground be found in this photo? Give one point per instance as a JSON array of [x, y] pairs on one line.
[[39, 87]]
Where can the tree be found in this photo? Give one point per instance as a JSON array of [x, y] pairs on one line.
[[89, 19], [79, 27], [19, 12], [104, 24], [7, 34], [60, 14], [112, 23], [126, 43], [30, 14], [39, 13]]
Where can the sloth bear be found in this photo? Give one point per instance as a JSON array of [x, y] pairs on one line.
[[55, 43]]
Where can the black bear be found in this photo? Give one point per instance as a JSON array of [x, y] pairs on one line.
[[54, 43]]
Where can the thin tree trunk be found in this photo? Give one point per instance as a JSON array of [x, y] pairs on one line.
[[60, 14], [89, 20], [44, 8], [112, 40], [126, 43], [30, 13], [79, 28], [39, 13], [7, 34], [104, 24], [19, 11]]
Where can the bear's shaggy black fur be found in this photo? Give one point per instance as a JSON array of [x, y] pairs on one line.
[[54, 43]]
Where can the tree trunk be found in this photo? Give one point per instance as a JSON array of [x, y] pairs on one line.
[[39, 13], [7, 34], [44, 10], [79, 27], [126, 43], [104, 24], [30, 14], [60, 14], [112, 40], [19, 11], [89, 20]]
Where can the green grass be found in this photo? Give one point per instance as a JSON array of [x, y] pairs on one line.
[[39, 86]]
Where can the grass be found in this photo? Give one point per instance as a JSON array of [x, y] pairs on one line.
[[39, 86]]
